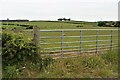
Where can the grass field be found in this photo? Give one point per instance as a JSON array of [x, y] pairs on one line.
[[83, 66], [64, 25], [77, 33], [61, 25]]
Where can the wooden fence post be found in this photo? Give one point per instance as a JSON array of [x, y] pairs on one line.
[[36, 38]]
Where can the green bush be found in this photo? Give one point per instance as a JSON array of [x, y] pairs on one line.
[[15, 50], [117, 24], [101, 23], [47, 61], [30, 27], [18, 56], [5, 38], [10, 71]]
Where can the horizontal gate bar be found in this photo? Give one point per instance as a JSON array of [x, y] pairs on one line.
[[58, 30]]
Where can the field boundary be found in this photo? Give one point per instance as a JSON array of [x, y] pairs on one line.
[[60, 50]]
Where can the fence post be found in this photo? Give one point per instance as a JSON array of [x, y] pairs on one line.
[[80, 41], [111, 41], [36, 38], [62, 42], [97, 41]]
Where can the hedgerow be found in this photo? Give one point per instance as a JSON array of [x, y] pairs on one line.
[[15, 50], [18, 54]]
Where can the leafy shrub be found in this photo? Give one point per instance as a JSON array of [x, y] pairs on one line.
[[30, 27], [18, 56], [18, 24], [16, 50], [45, 62], [117, 24], [5, 38], [3, 28], [101, 23], [4, 23], [11, 72]]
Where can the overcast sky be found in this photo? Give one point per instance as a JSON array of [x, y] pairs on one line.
[[85, 10]]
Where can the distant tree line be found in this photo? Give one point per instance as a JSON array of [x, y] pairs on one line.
[[22, 25], [109, 23], [14, 20], [64, 19]]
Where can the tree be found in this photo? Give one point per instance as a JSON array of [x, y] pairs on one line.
[[117, 24], [60, 19], [64, 19], [101, 23]]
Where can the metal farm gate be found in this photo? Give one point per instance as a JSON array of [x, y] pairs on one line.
[[76, 41]]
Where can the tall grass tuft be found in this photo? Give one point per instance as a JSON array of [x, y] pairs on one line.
[[111, 57]]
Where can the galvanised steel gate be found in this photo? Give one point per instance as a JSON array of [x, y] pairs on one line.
[[66, 41]]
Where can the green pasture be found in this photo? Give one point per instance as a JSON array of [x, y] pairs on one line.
[[86, 37], [59, 25], [28, 34], [83, 66]]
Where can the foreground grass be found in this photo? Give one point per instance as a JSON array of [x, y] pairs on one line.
[[85, 66]]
